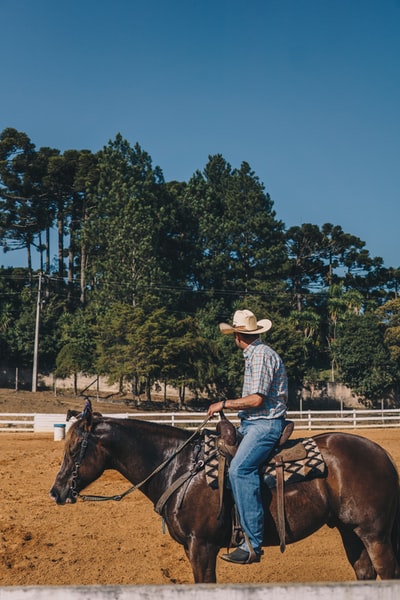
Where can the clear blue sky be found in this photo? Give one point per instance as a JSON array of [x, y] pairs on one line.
[[306, 91]]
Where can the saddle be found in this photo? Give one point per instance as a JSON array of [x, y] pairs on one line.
[[302, 459], [229, 437]]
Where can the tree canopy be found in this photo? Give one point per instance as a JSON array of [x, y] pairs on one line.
[[143, 270]]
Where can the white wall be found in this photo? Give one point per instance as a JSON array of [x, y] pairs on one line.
[[386, 590]]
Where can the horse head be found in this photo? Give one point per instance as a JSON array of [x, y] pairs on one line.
[[84, 459]]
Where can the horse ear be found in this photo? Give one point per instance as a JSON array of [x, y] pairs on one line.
[[87, 415]]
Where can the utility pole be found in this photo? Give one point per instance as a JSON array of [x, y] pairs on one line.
[[36, 346]]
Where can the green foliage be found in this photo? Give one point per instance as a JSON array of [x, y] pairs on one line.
[[389, 315], [77, 352], [363, 358], [21, 214], [121, 234], [145, 345], [240, 243], [146, 269]]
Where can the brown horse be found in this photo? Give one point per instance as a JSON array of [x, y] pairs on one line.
[[359, 494]]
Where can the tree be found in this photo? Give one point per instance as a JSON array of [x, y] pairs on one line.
[[146, 345], [45, 201], [340, 305], [392, 281], [22, 214], [187, 357], [77, 353], [254, 236], [240, 244], [205, 197], [176, 247], [306, 267], [363, 358], [389, 314], [70, 184], [308, 322], [130, 345], [338, 249], [122, 231], [11, 285]]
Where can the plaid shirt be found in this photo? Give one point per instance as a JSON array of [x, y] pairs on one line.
[[264, 374]]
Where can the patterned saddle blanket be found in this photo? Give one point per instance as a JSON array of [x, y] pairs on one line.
[[301, 458]]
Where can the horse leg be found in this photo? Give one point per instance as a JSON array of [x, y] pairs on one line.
[[203, 559], [357, 554], [383, 557]]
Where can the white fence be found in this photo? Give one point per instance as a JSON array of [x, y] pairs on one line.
[[17, 422], [305, 420]]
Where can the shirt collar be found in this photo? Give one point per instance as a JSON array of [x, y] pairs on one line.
[[250, 349]]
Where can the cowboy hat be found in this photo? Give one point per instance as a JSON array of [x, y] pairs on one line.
[[244, 321]]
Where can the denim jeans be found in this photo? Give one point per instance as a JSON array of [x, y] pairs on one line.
[[259, 438]]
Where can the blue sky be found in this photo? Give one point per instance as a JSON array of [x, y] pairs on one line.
[[306, 91]]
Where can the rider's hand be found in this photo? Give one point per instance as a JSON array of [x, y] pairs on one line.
[[215, 408]]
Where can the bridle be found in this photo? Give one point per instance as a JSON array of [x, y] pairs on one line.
[[78, 463], [117, 497]]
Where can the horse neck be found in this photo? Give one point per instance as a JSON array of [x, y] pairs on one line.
[[137, 448]]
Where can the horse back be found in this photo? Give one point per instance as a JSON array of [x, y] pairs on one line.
[[355, 453], [359, 468]]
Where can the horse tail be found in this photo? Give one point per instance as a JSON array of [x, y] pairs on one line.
[[396, 532]]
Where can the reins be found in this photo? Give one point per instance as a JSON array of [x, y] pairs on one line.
[[118, 497]]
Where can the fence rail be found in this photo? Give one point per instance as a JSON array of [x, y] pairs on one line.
[[305, 420], [13, 422], [310, 419]]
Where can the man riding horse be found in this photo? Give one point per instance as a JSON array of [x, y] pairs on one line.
[[262, 411]]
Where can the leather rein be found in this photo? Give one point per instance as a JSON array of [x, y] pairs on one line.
[[118, 497]]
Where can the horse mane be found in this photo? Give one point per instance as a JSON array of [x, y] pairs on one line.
[[147, 427]]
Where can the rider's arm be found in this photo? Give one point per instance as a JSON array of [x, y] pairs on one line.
[[251, 401]]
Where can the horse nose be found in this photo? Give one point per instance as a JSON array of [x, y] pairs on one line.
[[61, 496], [54, 494]]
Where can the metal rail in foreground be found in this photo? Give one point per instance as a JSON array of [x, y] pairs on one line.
[[352, 590]]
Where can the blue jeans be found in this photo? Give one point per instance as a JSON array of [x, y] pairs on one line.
[[259, 438]]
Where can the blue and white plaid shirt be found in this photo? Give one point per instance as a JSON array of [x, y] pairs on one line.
[[264, 374]]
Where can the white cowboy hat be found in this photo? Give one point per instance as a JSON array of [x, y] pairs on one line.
[[245, 322]]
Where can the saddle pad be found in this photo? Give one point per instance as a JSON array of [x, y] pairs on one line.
[[211, 457], [302, 461]]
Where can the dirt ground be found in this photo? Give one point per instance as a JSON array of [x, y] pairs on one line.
[[47, 402], [121, 543]]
